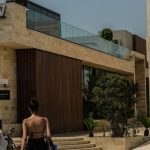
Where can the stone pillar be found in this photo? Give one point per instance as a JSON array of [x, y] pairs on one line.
[[8, 109], [140, 79]]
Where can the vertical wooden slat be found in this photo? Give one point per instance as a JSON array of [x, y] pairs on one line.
[[25, 81], [139, 44]]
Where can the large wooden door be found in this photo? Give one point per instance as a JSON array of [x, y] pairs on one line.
[[56, 83]]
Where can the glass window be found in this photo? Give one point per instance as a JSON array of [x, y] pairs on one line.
[[43, 20], [43, 11]]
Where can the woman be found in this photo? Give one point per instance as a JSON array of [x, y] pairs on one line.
[[35, 127]]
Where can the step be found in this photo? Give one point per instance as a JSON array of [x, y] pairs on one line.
[[81, 146], [17, 138], [72, 142], [94, 148], [61, 143], [67, 139], [68, 143], [17, 144], [55, 139]]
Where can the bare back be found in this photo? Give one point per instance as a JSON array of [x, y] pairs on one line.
[[36, 127]]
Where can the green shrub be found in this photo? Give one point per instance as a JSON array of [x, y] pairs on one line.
[[114, 96], [90, 124], [107, 34], [145, 121]]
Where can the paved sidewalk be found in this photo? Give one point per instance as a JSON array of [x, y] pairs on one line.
[[145, 146]]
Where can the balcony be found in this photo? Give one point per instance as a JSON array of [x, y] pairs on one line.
[[46, 24]]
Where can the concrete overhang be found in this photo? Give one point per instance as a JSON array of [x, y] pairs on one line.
[[13, 45], [137, 55]]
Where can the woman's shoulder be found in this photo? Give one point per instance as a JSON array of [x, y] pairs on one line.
[[45, 118], [24, 121], [37, 118]]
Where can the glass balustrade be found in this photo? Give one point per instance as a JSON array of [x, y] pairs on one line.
[[48, 25]]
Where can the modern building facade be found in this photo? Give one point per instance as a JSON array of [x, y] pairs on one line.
[[43, 58]]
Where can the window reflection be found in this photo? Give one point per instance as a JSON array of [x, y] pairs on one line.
[[43, 20]]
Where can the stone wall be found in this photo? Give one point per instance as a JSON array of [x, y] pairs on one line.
[[140, 79], [108, 143], [8, 71], [124, 37]]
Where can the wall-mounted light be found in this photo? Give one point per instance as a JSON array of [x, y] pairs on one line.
[[4, 82]]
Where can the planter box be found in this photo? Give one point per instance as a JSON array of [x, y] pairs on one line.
[[126, 143]]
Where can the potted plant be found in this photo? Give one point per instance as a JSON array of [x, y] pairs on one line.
[[107, 34], [90, 125], [146, 123]]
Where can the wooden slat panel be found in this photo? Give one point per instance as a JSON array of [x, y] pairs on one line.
[[57, 83], [59, 79], [139, 44], [25, 81]]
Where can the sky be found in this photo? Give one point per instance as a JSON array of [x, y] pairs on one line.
[[94, 15]]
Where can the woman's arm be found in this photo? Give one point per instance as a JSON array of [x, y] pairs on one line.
[[48, 131], [24, 136]]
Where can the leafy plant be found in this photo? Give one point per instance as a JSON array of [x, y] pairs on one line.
[[89, 105], [91, 125], [114, 95], [146, 123], [107, 34]]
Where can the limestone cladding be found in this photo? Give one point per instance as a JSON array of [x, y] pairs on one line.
[[127, 143], [124, 37], [141, 81], [8, 71]]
